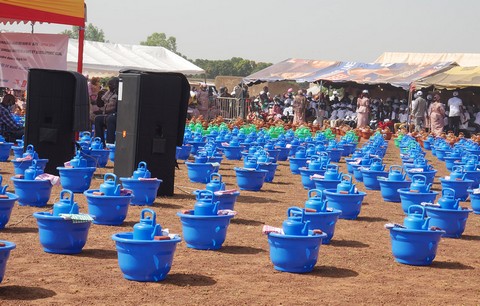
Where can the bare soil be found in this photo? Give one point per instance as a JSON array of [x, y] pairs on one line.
[[357, 267]]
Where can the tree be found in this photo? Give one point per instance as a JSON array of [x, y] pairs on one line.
[[236, 66], [92, 33], [161, 40]]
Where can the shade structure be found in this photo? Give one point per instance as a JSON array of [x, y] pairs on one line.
[[71, 12], [292, 69], [457, 77], [108, 59], [396, 74], [462, 59]]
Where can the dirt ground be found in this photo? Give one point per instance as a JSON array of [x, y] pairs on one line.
[[357, 267]]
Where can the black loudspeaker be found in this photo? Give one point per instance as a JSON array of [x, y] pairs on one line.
[[151, 114], [57, 106]]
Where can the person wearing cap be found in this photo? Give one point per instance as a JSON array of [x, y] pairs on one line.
[[363, 109], [299, 108], [437, 116], [419, 107], [454, 111]]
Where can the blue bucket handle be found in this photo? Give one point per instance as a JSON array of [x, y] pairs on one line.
[[142, 164], [474, 157], [153, 213], [297, 209], [348, 176], [107, 176], [332, 166], [448, 192], [206, 194], [415, 208], [457, 168], [216, 174], [318, 193], [393, 167], [69, 192], [4, 188], [415, 178]]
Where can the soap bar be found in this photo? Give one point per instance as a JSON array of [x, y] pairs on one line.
[[98, 193]]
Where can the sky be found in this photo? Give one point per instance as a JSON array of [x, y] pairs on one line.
[[274, 30]]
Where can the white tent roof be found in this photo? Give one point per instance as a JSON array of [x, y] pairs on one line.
[[462, 59], [108, 59]]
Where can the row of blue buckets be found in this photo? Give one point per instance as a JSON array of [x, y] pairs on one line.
[[427, 220]]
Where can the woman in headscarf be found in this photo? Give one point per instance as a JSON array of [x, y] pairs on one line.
[[437, 116], [363, 109], [299, 108]]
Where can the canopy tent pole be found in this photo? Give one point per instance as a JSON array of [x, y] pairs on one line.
[[410, 95], [81, 37]]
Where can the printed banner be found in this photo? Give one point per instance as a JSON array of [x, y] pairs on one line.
[[22, 51]]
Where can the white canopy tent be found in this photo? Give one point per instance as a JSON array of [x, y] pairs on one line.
[[102, 59]]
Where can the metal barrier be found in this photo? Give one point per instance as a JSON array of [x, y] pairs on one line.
[[228, 108]]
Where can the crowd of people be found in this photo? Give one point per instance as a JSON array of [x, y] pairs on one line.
[[359, 110], [427, 111], [437, 116], [202, 99]]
